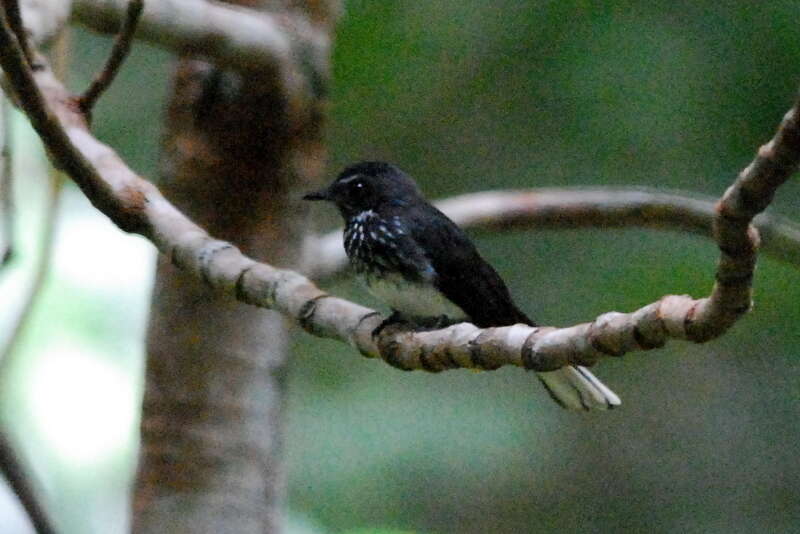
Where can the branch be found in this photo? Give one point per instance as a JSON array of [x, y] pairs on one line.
[[136, 205], [17, 479], [122, 45], [579, 208], [6, 188], [10, 465], [14, 17], [44, 20], [233, 36], [40, 269]]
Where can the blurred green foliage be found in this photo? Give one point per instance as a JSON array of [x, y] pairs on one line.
[[469, 95]]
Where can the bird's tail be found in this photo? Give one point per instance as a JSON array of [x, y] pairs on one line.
[[576, 388]]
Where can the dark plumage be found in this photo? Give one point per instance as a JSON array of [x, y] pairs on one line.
[[390, 227], [423, 266]]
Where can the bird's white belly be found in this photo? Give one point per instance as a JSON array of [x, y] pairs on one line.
[[411, 299]]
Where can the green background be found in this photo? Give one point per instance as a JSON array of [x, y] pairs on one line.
[[468, 96]]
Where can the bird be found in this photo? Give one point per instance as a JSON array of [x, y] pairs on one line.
[[420, 264]]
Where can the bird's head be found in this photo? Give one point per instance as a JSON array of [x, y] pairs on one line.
[[369, 185]]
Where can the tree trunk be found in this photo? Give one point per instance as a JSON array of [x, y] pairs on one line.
[[237, 154]]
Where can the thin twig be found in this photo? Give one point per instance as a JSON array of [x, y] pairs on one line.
[[14, 16], [122, 45], [20, 483], [136, 205], [6, 187], [551, 209]]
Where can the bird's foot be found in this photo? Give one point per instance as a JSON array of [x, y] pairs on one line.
[[395, 320], [436, 323], [420, 324]]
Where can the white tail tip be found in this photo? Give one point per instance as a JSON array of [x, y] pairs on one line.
[[576, 388]]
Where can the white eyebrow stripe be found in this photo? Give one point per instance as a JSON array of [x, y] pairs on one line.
[[350, 179]]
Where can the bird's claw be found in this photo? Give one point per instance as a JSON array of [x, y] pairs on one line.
[[395, 319]]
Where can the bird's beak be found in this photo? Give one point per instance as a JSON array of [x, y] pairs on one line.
[[322, 194]]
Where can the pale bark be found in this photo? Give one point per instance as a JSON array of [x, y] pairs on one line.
[[211, 426], [6, 188], [136, 205]]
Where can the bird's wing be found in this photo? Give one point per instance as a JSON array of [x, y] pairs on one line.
[[461, 274]]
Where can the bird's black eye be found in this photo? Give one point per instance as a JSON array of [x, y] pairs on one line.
[[359, 188], [354, 189]]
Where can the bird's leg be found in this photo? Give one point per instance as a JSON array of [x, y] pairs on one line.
[[443, 321]]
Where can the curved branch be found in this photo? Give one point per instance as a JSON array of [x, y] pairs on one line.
[[136, 205], [14, 17], [11, 465], [608, 207], [122, 45], [230, 35], [20, 483], [40, 269], [6, 188]]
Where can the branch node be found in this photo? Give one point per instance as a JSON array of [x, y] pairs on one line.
[[239, 290], [390, 344], [305, 317], [480, 358], [648, 331], [672, 313], [207, 255], [376, 317], [608, 334], [425, 362], [535, 353], [256, 285]]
